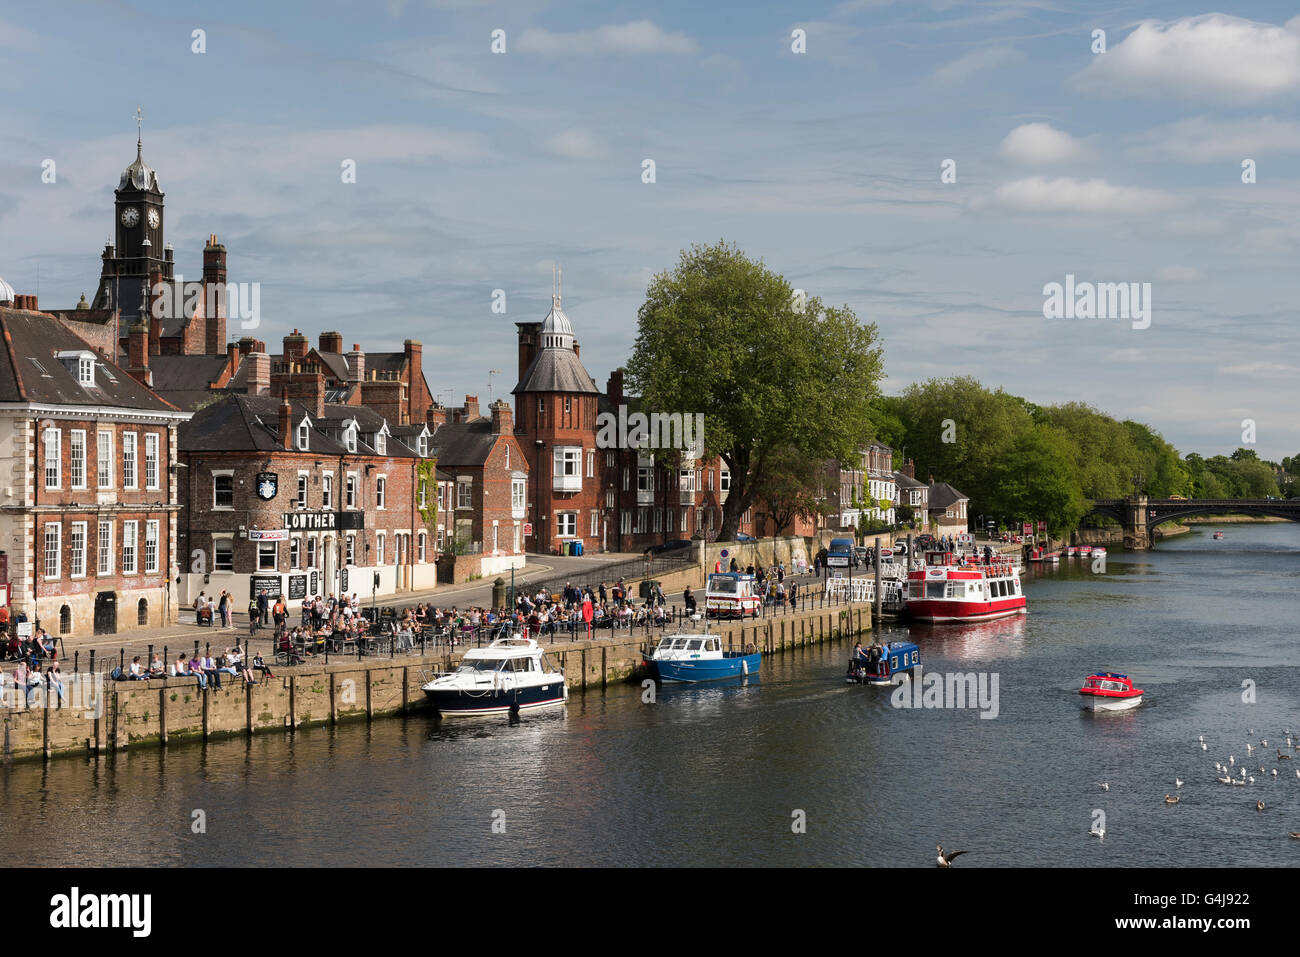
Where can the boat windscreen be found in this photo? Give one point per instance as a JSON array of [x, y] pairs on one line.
[[470, 665]]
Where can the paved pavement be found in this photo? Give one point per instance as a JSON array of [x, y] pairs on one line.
[[183, 635]]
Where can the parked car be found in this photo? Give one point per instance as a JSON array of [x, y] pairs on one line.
[[671, 546], [745, 538], [900, 547]]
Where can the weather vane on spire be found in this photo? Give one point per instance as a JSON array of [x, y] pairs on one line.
[[139, 129]]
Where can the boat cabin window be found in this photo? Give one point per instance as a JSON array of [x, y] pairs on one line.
[[713, 644], [478, 664], [695, 644], [935, 589], [1112, 686]]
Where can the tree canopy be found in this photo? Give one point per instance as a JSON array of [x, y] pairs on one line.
[[776, 375]]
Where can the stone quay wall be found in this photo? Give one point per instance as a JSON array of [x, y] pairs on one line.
[[109, 716]]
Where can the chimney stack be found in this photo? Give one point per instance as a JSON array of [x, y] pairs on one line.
[[356, 364], [295, 346], [214, 295], [138, 355], [415, 370], [331, 342], [232, 356], [471, 408], [286, 422], [259, 373], [614, 387], [435, 417], [502, 418]]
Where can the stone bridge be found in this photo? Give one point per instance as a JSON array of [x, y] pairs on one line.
[[1139, 514]]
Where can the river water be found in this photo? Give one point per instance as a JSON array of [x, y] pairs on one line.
[[795, 768]]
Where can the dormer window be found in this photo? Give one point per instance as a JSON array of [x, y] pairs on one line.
[[86, 371], [422, 445], [304, 437], [80, 363], [381, 443], [350, 438]]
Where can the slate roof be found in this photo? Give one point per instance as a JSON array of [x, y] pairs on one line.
[[185, 372], [903, 480], [35, 337], [247, 423], [556, 370], [943, 495], [463, 444]]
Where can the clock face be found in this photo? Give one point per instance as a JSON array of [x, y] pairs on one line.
[[130, 216], [153, 219]]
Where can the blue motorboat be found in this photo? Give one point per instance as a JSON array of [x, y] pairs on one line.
[[878, 664], [691, 657]]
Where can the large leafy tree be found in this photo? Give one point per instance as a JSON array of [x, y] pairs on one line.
[[773, 374], [1037, 480]]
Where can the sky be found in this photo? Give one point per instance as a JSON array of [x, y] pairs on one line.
[[477, 171]]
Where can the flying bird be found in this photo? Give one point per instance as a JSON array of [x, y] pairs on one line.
[[945, 860]]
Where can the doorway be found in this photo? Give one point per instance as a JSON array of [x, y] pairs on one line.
[[106, 613]]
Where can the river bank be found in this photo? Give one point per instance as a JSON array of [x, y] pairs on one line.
[[103, 717]]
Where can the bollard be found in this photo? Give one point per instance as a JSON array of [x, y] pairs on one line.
[[76, 661], [151, 654], [121, 661], [196, 647], [92, 661]]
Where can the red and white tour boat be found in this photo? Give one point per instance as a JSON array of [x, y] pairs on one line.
[[948, 590], [1107, 691]]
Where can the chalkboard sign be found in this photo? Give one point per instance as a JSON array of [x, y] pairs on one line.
[[343, 581], [298, 586], [270, 582], [313, 585]]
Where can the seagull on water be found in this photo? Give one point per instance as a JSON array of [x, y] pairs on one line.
[[1200, 738], [1203, 747], [1283, 757], [1231, 760], [1177, 783], [1251, 780], [945, 860], [1275, 772], [1263, 742], [1105, 786], [1250, 748], [1224, 780], [1099, 831], [1170, 800], [1296, 835]]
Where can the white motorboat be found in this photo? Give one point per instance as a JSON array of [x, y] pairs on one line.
[[509, 674]]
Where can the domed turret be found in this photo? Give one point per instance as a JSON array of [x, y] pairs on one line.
[[6, 293], [139, 174], [557, 331]]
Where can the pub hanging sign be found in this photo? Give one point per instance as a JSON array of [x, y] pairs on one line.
[[268, 484]]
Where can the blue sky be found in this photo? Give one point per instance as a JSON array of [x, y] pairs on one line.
[[477, 171]]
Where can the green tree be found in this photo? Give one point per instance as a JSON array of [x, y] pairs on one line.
[[724, 335], [1036, 479]]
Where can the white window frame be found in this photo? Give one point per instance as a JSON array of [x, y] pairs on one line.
[[53, 557], [312, 551], [350, 550], [422, 544], [86, 370], [625, 522], [130, 459], [591, 463], [265, 550], [327, 490], [464, 493], [566, 520], [151, 481], [223, 473], [152, 537], [566, 462], [130, 549], [304, 437], [350, 487], [295, 553], [724, 480], [226, 539], [104, 544], [77, 558], [422, 495], [53, 462], [304, 486], [518, 494], [381, 443], [379, 548], [104, 459], [381, 491], [76, 464]]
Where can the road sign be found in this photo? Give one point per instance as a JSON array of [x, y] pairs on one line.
[[1042, 527], [1027, 528], [725, 553]]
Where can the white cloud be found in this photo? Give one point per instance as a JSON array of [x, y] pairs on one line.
[[1214, 56], [1178, 274], [1037, 144], [1200, 139], [1064, 195], [636, 36], [576, 144], [981, 59]]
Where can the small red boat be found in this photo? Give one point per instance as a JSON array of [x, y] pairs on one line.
[[1107, 691]]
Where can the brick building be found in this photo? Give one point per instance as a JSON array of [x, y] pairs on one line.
[[89, 515], [303, 497], [485, 502]]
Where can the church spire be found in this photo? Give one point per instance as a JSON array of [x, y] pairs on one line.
[[139, 133]]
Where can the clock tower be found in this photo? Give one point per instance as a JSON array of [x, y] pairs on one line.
[[138, 255]]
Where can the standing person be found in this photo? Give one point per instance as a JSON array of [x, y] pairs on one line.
[[280, 613], [263, 608], [733, 567], [223, 607], [688, 599], [794, 595]]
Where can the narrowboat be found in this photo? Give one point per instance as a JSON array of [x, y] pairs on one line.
[[1085, 551], [689, 658], [945, 590], [509, 674], [1098, 552], [878, 664], [731, 595], [1108, 691]]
